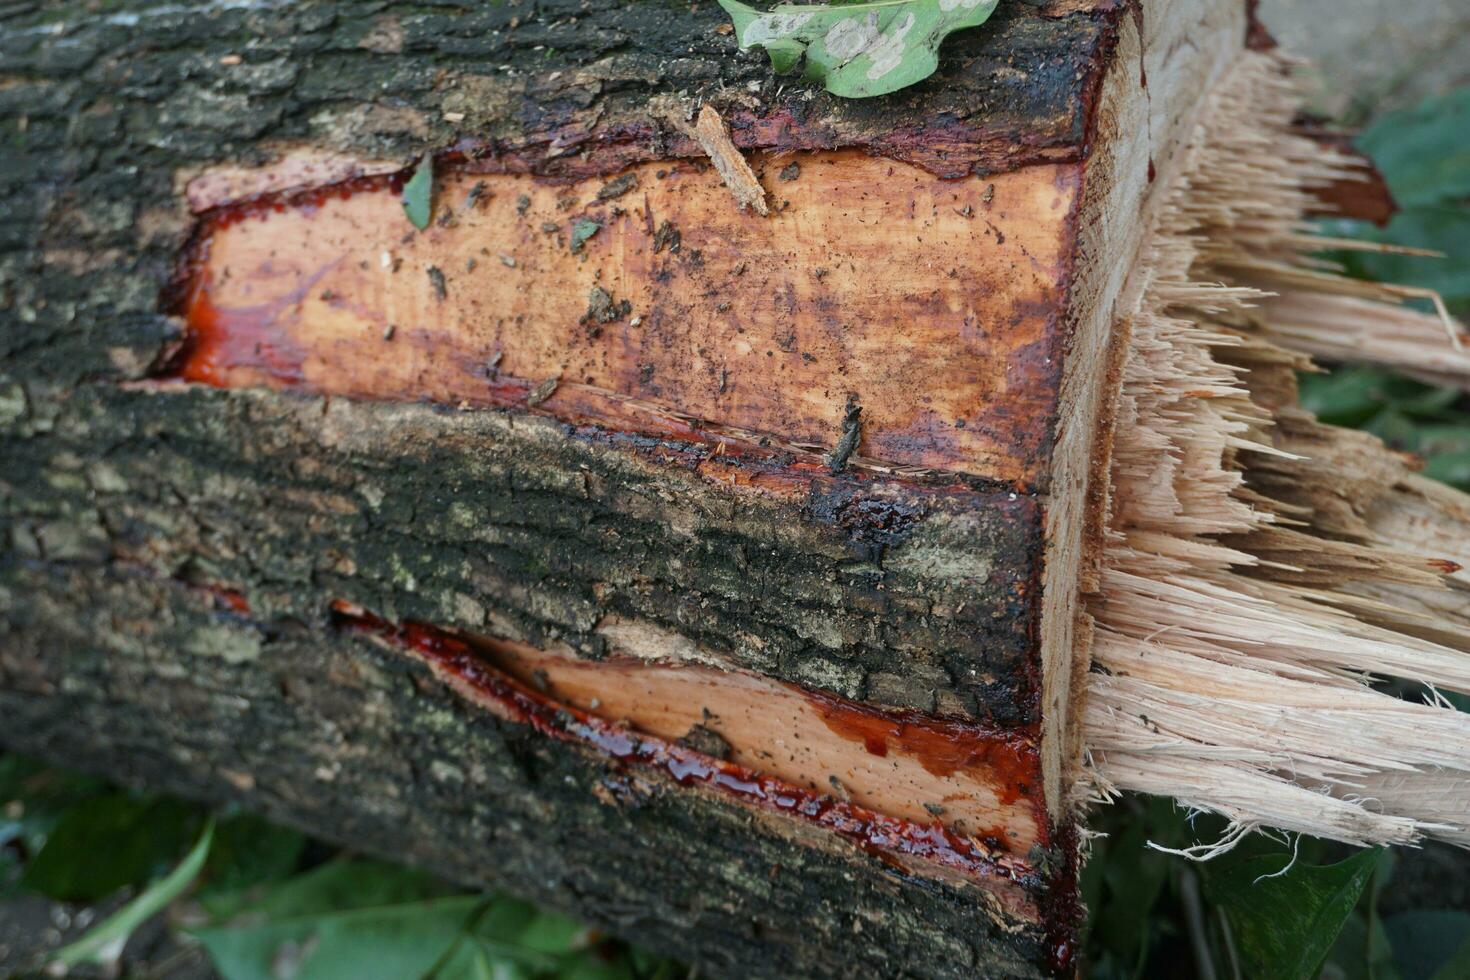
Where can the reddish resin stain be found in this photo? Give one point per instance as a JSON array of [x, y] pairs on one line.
[[232, 599], [249, 337], [1061, 905], [242, 337], [465, 664], [942, 746]]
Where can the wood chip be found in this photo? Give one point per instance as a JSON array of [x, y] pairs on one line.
[[852, 434], [712, 134], [543, 391]]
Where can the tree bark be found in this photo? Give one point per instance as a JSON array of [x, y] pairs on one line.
[[151, 683]]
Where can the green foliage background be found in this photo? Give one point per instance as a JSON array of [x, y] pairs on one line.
[[262, 902]]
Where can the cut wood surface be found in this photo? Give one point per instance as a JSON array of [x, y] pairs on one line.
[[949, 334], [980, 782]]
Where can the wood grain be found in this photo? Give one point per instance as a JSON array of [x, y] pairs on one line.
[[937, 304], [984, 783]]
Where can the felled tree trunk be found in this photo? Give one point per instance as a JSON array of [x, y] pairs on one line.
[[719, 577]]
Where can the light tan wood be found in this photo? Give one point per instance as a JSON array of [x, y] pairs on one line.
[[935, 303], [1170, 55], [917, 769]]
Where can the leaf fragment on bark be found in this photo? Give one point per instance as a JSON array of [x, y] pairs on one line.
[[418, 193], [857, 49]]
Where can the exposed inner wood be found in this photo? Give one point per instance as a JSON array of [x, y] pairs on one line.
[[662, 290], [980, 782], [1168, 56], [916, 774], [1263, 570]]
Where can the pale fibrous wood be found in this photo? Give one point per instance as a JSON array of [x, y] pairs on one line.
[[1261, 568]]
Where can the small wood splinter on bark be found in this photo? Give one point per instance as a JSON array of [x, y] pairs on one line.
[[711, 133], [543, 391], [852, 434]]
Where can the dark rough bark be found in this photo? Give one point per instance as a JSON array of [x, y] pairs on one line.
[[881, 590], [149, 681], [104, 111]]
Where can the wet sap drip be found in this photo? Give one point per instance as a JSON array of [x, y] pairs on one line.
[[1061, 906], [885, 837], [942, 746]]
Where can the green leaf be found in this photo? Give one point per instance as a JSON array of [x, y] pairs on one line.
[[418, 193], [582, 231], [1451, 468], [1284, 926], [857, 49], [1379, 952], [1441, 228], [363, 944], [1394, 428], [511, 940], [471, 961], [349, 918], [387, 942], [344, 885], [107, 842], [1347, 396], [513, 923], [1125, 924], [1457, 967], [104, 944], [33, 800], [1424, 152], [248, 852]]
